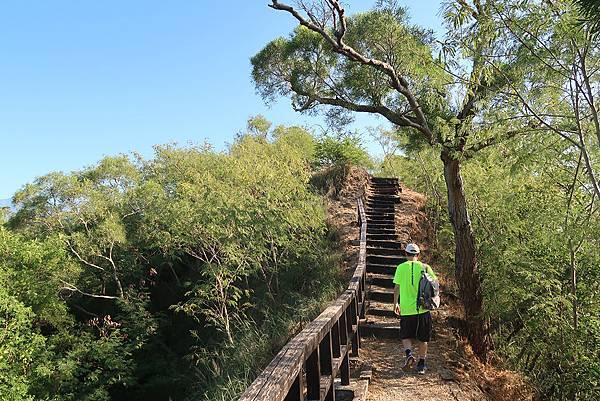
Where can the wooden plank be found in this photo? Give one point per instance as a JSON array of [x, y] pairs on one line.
[[335, 339], [325, 355], [313, 376], [326, 384], [296, 392], [345, 370], [281, 372]]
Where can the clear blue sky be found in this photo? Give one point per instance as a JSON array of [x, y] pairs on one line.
[[83, 79]]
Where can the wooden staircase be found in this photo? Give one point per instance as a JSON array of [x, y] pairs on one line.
[[384, 253]]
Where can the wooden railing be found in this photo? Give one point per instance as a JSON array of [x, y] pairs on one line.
[[307, 365]]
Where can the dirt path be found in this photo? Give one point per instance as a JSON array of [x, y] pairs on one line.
[[452, 373], [442, 380]]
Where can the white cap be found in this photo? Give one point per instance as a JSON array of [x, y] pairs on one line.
[[412, 249]]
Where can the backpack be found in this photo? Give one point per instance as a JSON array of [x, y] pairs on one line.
[[428, 296]]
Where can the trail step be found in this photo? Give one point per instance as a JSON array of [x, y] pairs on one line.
[[379, 180], [371, 230], [381, 269], [381, 294], [385, 260], [381, 330], [381, 214], [384, 251], [382, 280], [375, 217], [379, 309], [381, 202], [371, 243], [381, 226], [381, 208], [382, 237], [383, 197]]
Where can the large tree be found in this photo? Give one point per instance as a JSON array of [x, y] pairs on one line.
[[376, 62]]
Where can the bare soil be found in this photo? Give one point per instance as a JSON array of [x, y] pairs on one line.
[[342, 217]]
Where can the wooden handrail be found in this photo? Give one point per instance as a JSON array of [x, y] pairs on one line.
[[307, 365]]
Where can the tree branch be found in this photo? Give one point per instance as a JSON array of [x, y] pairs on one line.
[[398, 82]]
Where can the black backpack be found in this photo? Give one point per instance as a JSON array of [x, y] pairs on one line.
[[428, 296]]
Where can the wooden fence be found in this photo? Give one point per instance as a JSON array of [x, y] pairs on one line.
[[306, 367]]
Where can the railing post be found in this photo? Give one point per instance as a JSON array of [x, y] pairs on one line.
[[313, 376], [325, 355], [343, 329], [330, 394], [354, 321], [345, 370], [296, 392], [335, 340]]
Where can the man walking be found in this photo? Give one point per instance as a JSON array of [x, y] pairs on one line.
[[415, 321]]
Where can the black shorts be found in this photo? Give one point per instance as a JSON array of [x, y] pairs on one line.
[[416, 326]]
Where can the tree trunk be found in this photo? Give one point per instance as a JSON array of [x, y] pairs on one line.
[[466, 271]]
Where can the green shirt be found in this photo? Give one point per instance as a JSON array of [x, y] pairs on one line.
[[407, 278]]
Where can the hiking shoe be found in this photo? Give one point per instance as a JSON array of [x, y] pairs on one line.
[[409, 362], [421, 367]]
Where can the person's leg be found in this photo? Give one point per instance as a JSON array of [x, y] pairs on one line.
[[407, 344], [423, 337], [422, 349], [407, 333]]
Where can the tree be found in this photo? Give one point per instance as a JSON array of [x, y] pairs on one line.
[[590, 10], [375, 62], [560, 92]]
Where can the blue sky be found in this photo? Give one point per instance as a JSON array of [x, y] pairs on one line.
[[85, 79]]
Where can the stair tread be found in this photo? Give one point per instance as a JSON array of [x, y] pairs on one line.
[[382, 265], [382, 324], [389, 258], [385, 242], [382, 275], [381, 290]]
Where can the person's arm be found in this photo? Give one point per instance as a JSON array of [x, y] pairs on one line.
[[431, 272], [397, 299]]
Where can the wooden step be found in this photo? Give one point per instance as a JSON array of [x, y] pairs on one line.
[[381, 213], [381, 237], [373, 230], [380, 202], [385, 312], [381, 330], [384, 244], [381, 209], [384, 251], [383, 197], [379, 180], [386, 260], [382, 226], [380, 309], [381, 280], [381, 219], [381, 269], [381, 294]]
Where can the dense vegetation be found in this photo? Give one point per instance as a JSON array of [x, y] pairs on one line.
[[538, 233], [499, 123], [169, 278]]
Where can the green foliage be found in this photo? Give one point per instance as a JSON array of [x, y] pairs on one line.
[[305, 67], [21, 348], [530, 209], [173, 277], [345, 150], [590, 10]]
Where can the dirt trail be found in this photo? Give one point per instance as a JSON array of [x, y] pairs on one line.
[[453, 373]]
